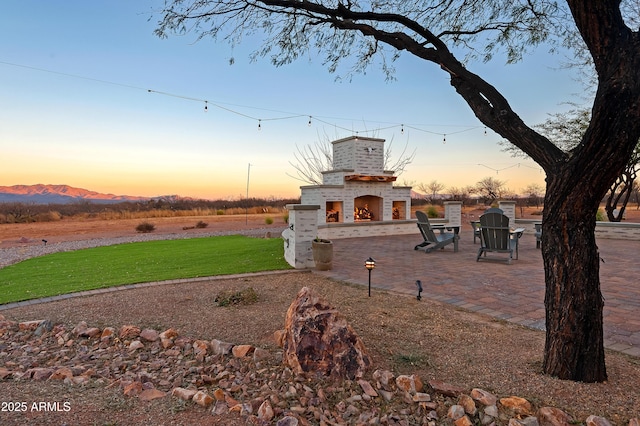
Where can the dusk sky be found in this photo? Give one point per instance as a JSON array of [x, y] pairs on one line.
[[93, 99]]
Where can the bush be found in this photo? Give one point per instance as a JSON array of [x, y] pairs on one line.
[[146, 227], [219, 212], [201, 225], [286, 218], [242, 297], [268, 220], [600, 217], [50, 216], [432, 211]]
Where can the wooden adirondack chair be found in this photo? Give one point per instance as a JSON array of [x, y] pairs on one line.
[[433, 240], [495, 236]]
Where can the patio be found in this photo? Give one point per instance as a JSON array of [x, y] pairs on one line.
[[510, 292]]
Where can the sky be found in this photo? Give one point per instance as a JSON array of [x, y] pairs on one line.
[[93, 99]]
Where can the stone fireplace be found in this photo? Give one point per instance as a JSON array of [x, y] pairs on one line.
[[358, 189], [356, 199]]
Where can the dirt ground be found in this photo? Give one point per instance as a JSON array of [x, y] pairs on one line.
[[432, 340], [84, 229]]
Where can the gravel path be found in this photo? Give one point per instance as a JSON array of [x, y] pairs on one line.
[[11, 255]]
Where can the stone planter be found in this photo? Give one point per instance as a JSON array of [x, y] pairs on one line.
[[322, 254]]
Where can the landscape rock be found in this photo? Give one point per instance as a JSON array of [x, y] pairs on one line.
[[202, 398], [455, 412], [463, 421], [129, 332], [411, 384], [44, 327], [551, 416], [133, 389], [367, 388], [184, 394], [261, 389], [4, 373], [61, 374], [169, 334], [240, 351], [135, 345], [149, 335], [597, 421], [318, 340], [468, 404], [38, 373], [265, 411], [446, 389], [151, 394], [220, 348], [483, 397], [287, 421], [384, 378], [518, 405], [107, 333], [79, 328]]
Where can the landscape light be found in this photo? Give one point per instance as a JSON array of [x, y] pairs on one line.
[[369, 264]]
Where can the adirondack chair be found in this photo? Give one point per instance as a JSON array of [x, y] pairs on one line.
[[475, 224], [538, 234], [433, 240], [495, 236]]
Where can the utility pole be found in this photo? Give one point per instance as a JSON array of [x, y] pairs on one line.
[[246, 210]]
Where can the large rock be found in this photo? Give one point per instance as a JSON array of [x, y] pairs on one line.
[[318, 340]]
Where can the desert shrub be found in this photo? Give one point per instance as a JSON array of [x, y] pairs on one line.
[[201, 224], [145, 227], [432, 211], [600, 217], [241, 297], [50, 216], [219, 212], [268, 220], [286, 218]]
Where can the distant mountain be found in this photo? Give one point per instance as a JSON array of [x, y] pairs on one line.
[[58, 194]]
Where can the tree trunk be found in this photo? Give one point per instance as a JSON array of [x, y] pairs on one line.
[[574, 347]]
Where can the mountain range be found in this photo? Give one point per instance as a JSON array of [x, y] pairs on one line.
[[58, 194]]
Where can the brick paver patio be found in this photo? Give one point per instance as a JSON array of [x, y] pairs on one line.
[[512, 292]]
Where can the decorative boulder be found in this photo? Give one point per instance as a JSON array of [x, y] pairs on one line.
[[317, 340]]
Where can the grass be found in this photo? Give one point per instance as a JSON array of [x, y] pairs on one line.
[[131, 263]]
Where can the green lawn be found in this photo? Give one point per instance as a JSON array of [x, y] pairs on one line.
[[108, 266]]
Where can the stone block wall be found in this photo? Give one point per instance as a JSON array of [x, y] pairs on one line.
[[509, 209], [303, 228], [362, 154]]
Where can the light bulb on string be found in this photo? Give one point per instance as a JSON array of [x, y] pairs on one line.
[[309, 123], [444, 139], [485, 130], [259, 125], [205, 106], [402, 129]]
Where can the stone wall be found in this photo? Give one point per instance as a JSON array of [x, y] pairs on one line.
[[608, 230], [303, 228]]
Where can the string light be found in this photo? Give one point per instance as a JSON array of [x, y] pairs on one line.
[[234, 111], [499, 170]]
